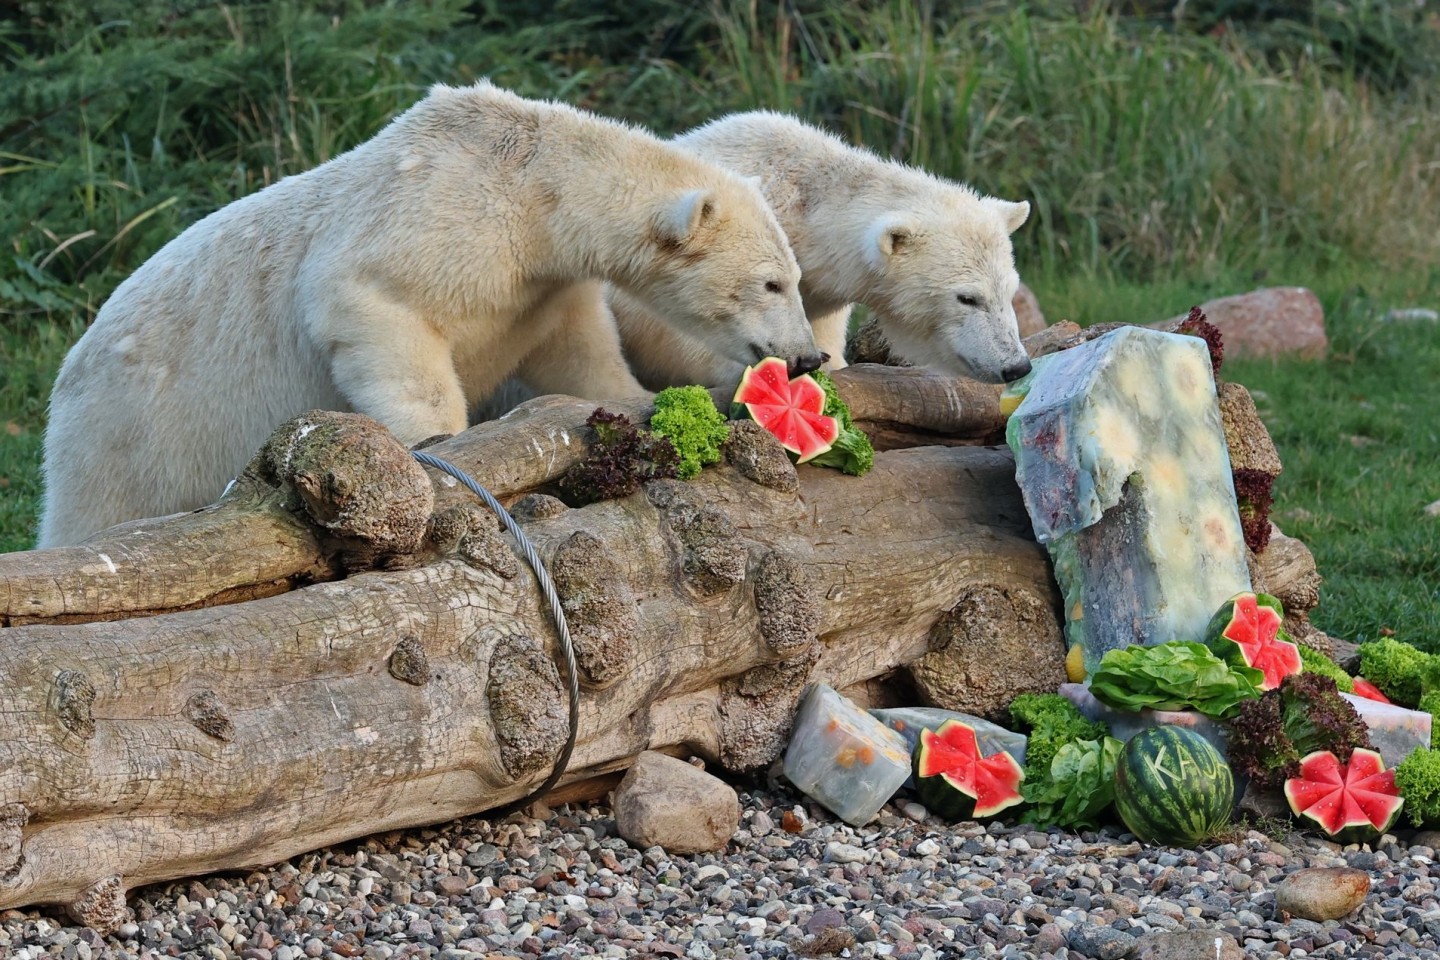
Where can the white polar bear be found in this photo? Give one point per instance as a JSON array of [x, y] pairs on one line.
[[469, 240], [931, 257]]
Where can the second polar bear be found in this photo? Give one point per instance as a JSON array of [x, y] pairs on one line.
[[931, 257], [470, 240]]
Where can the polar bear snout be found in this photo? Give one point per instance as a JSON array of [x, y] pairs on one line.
[[1016, 370], [806, 364]]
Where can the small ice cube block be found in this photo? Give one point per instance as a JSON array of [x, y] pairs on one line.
[[1394, 731], [1121, 457], [991, 737], [1124, 724], [844, 758]]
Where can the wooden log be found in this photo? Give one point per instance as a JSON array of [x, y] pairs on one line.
[[149, 748]]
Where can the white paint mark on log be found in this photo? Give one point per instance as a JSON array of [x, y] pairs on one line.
[[109, 564]]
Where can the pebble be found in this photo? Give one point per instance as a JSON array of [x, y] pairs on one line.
[[904, 886]]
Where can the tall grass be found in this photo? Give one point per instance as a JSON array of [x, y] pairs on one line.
[[1145, 151]]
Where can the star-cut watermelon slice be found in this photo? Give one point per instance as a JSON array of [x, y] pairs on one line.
[[956, 782], [1352, 802], [1246, 630], [789, 409]]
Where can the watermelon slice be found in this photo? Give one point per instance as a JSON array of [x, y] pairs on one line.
[[955, 782], [1246, 631], [790, 409], [1353, 802], [1364, 688]]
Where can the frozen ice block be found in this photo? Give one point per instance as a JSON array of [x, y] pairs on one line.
[[1394, 730], [1121, 457], [992, 738], [843, 757], [1124, 724]]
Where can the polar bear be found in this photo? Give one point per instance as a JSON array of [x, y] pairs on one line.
[[930, 257], [471, 239]]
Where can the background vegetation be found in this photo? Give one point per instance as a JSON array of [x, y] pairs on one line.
[[1168, 157]]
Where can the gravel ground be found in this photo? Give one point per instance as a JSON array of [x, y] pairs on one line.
[[567, 886]]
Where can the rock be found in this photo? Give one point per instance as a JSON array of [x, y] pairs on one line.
[[1027, 312], [1263, 804], [1433, 509], [1101, 943], [1322, 893], [1189, 945], [1120, 454], [1426, 838], [668, 803], [997, 642], [843, 757], [1271, 321]]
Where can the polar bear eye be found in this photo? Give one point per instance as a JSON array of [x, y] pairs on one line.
[[968, 300], [773, 286]]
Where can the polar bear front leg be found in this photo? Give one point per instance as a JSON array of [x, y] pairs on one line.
[[401, 372], [832, 331], [581, 356]]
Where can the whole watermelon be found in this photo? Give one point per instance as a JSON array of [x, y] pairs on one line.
[[1173, 787]]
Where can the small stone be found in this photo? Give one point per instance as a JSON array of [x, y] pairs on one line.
[[1322, 893], [927, 847], [1433, 509], [915, 811], [823, 920], [668, 803], [1101, 943], [451, 886], [1189, 945], [837, 852]]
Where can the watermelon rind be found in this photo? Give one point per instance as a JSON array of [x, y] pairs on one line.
[[1353, 802], [1173, 787], [994, 784], [791, 410], [1279, 656]]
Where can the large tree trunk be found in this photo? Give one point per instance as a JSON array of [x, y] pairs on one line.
[[345, 644]]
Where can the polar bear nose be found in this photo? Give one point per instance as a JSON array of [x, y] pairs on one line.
[[1016, 370], [806, 363]]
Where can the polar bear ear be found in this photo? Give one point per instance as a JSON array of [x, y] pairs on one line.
[[1014, 214], [687, 215], [887, 237]]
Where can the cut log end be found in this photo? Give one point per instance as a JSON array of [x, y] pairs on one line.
[[600, 608], [786, 599], [101, 906], [999, 640], [757, 710], [527, 705]]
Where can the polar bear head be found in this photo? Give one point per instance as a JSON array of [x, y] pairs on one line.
[[943, 277], [721, 270]]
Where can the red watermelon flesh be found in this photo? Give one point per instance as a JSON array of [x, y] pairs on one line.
[[1255, 628], [790, 409], [1364, 688], [1351, 802], [953, 753]]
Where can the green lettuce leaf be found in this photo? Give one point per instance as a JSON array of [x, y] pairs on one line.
[[1173, 676], [1079, 787]]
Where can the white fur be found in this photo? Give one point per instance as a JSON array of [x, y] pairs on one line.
[[468, 241], [865, 230]]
